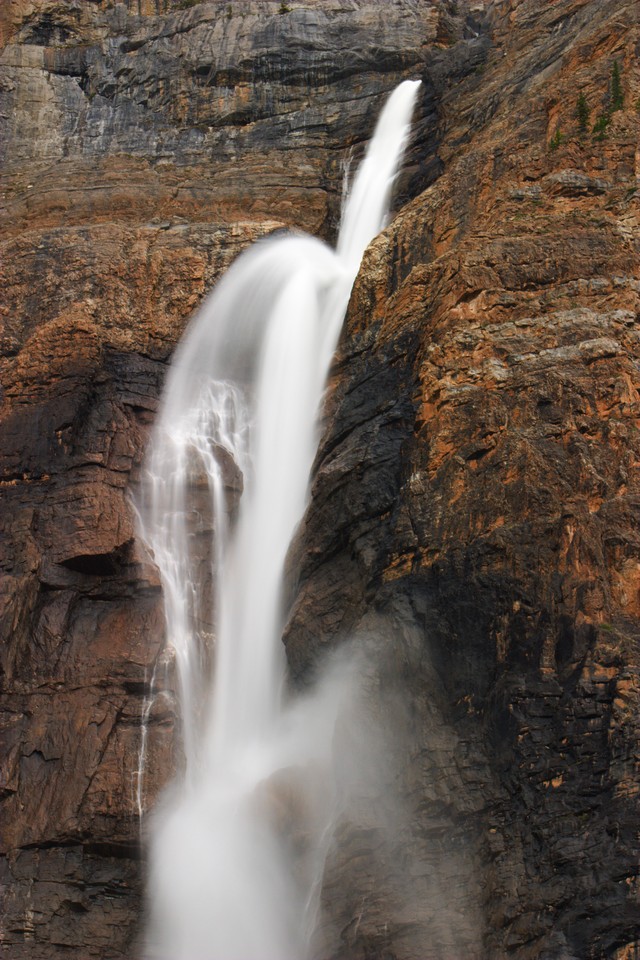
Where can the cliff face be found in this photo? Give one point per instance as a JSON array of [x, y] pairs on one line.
[[475, 505], [144, 145], [474, 511]]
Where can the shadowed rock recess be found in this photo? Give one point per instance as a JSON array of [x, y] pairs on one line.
[[474, 521]]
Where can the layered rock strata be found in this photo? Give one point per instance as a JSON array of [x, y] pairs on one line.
[[144, 145], [474, 513], [474, 518]]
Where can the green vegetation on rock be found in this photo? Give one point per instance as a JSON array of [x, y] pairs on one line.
[[582, 115], [617, 93]]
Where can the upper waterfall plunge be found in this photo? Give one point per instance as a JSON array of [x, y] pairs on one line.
[[227, 483]]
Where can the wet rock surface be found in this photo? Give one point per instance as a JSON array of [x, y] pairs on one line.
[[475, 499]]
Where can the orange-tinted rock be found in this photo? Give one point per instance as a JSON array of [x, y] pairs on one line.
[[474, 513], [144, 145]]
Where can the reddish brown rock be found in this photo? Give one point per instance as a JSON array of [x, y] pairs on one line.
[[144, 144], [473, 521], [474, 515]]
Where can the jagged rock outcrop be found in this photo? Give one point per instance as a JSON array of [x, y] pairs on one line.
[[474, 512]]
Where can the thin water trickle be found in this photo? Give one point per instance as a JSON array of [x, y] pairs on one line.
[[238, 844]]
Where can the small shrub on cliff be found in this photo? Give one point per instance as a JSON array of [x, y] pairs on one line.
[[600, 126], [284, 8]]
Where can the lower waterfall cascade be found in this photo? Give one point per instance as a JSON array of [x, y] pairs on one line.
[[239, 840]]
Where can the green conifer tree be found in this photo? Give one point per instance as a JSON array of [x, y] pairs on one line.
[[617, 93], [582, 114], [556, 139]]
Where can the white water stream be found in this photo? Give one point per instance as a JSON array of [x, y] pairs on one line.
[[238, 844]]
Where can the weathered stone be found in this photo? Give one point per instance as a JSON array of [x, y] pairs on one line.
[[473, 523], [144, 145], [477, 487]]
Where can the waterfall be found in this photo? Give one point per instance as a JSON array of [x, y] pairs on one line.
[[238, 841]]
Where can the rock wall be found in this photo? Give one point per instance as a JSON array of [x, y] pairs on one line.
[[143, 146], [474, 512]]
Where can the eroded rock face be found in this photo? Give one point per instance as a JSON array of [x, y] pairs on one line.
[[144, 145], [473, 522], [474, 515]]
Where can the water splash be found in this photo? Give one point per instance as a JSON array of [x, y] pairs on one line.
[[238, 843]]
